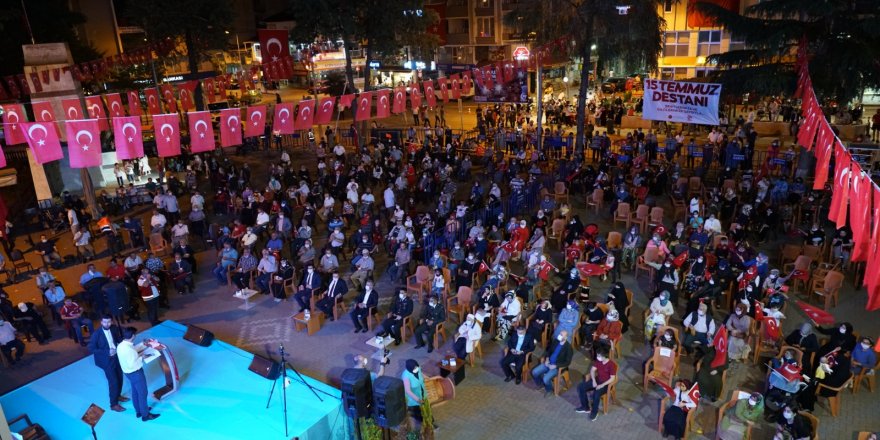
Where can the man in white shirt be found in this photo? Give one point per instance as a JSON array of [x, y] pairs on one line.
[[249, 238], [263, 220], [180, 231], [389, 198], [132, 364], [103, 347], [197, 200], [157, 221], [8, 341]]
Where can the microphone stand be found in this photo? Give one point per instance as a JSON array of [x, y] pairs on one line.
[[284, 382]]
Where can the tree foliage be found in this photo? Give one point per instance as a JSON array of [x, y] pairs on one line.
[[51, 21], [842, 37]]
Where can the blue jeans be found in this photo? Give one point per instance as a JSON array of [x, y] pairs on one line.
[[546, 374], [77, 324], [594, 396], [139, 392], [220, 273]]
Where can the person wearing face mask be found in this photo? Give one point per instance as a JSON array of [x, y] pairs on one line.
[[602, 374], [467, 336], [607, 334], [709, 377], [568, 320], [276, 286], [863, 357], [466, 271], [557, 356], [363, 269], [47, 250], [508, 312], [334, 293], [666, 278], [699, 328], [414, 389], [675, 417], [793, 425], [31, 323], [518, 345], [308, 285], [632, 242], [9, 341], [839, 336], [834, 371], [365, 303], [591, 320], [618, 296], [667, 340], [401, 307], [103, 348], [804, 339], [738, 326], [181, 273], [746, 412]]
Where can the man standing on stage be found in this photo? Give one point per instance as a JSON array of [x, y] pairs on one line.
[[132, 364], [103, 347]]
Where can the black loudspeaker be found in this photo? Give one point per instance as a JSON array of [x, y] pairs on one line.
[[266, 368], [389, 401], [357, 392], [198, 336]]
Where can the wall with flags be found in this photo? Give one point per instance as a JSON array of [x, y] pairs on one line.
[[855, 198]]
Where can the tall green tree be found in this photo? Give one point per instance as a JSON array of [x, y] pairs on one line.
[[635, 37], [51, 21], [842, 38], [199, 25]]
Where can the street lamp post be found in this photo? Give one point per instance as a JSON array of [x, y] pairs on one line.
[[565, 82]]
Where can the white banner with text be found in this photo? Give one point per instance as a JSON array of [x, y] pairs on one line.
[[678, 101]]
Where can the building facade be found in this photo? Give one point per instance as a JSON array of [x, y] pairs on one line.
[[474, 32]]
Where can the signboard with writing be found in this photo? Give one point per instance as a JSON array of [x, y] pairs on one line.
[[678, 101]]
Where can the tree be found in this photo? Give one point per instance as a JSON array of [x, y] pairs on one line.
[[634, 37], [51, 21], [200, 25], [842, 38]]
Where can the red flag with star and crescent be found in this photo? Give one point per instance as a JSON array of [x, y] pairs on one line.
[[72, 109], [84, 143], [415, 97], [283, 123], [134, 103], [168, 96], [817, 315], [128, 137], [872, 268], [324, 112], [43, 111], [455, 86], [305, 116], [273, 44], [383, 104], [201, 134], [859, 213], [466, 82], [720, 344], [444, 89], [256, 121], [771, 328], [186, 91], [825, 141], [114, 105], [837, 211], [13, 116], [230, 127], [209, 90], [345, 101], [364, 106], [399, 105], [430, 96], [95, 108], [694, 393], [42, 138], [167, 133], [154, 103]]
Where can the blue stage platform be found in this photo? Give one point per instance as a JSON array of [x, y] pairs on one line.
[[219, 398]]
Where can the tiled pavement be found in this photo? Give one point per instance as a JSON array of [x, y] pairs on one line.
[[485, 406]]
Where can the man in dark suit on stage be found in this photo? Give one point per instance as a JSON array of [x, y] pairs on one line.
[[310, 282], [103, 346], [400, 308], [519, 344], [335, 291]]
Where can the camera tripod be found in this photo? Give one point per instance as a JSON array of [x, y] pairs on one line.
[[284, 383]]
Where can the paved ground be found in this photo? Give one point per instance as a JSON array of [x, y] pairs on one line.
[[485, 406]]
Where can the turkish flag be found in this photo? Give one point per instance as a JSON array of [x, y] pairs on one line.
[[859, 213], [283, 123], [273, 44], [488, 77], [168, 97], [759, 310], [509, 71], [13, 116], [364, 106], [430, 96], [72, 109], [771, 329], [825, 141], [201, 134], [230, 127], [166, 129], [95, 108], [43, 140], [455, 86], [872, 277], [807, 130], [720, 344], [222, 83], [114, 104], [325, 110], [305, 115], [817, 315], [84, 143], [208, 89], [345, 101], [43, 111], [694, 393], [444, 90], [415, 98], [256, 121], [187, 90], [837, 211], [383, 104], [2, 162], [399, 105], [134, 103], [129, 138], [154, 105], [466, 82]]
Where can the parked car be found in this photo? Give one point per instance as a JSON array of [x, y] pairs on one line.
[[613, 85]]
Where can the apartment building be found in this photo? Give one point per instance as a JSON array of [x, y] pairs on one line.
[[473, 31]]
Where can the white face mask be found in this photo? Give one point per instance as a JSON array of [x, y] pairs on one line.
[[402, 296], [560, 338], [701, 313], [416, 370], [432, 304], [843, 330], [866, 346]]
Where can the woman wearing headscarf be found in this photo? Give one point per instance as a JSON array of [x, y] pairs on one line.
[[840, 336], [414, 388], [738, 326], [695, 277], [617, 296], [568, 320], [632, 242], [735, 423], [508, 313], [675, 417], [709, 377], [469, 333], [806, 341]]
